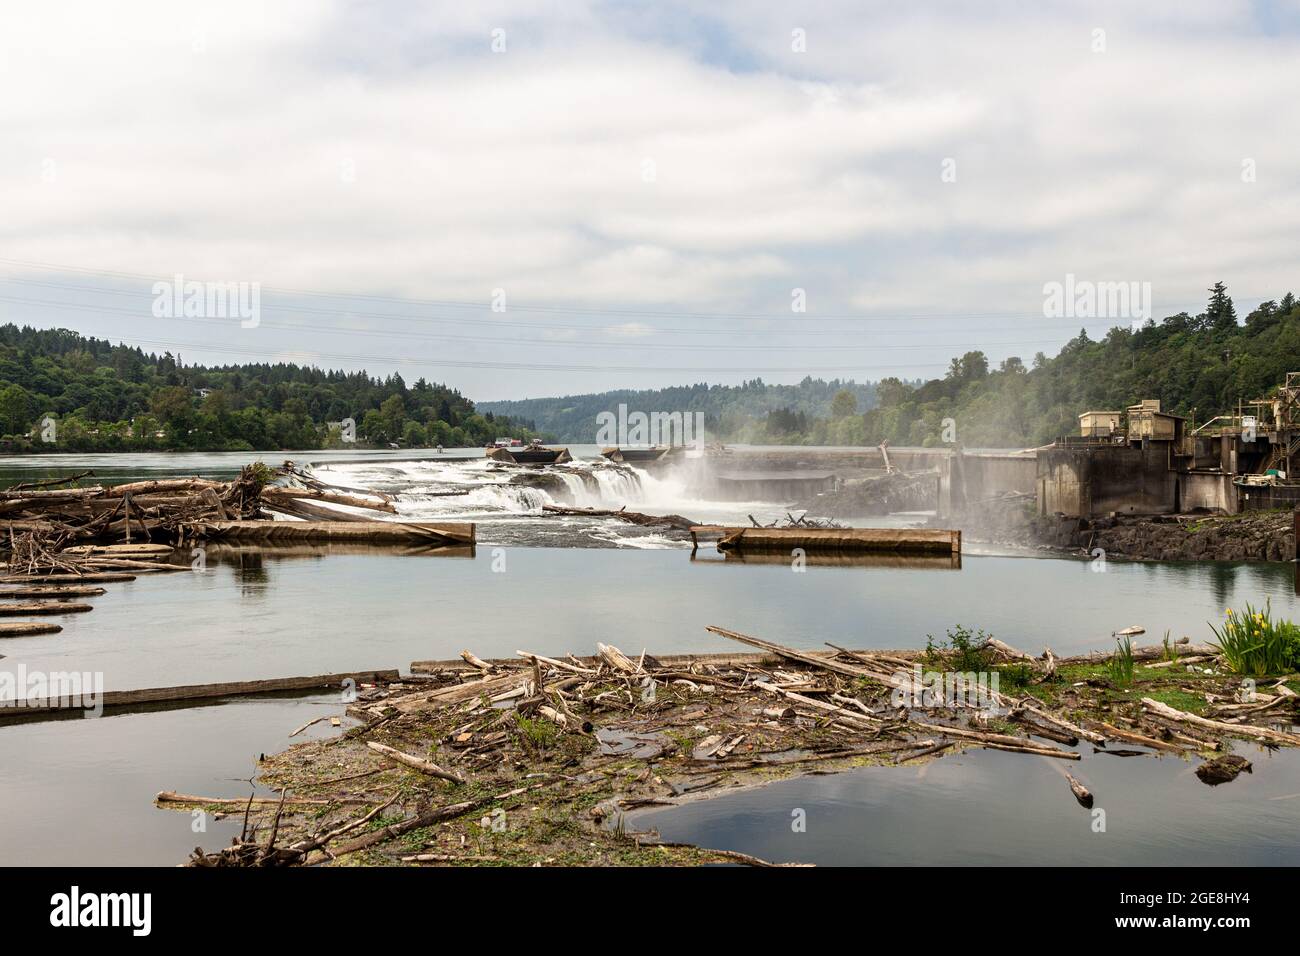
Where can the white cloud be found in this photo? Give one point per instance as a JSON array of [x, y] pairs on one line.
[[351, 147]]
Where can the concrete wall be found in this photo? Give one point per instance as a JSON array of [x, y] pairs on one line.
[[1213, 492], [1100, 479]]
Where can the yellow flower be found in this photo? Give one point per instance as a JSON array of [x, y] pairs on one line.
[[1228, 612]]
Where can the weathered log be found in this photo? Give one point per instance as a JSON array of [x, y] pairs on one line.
[[616, 659], [138, 551], [469, 658], [1081, 793], [161, 485], [1145, 653], [1135, 738], [22, 609], [171, 796], [457, 693], [65, 578], [675, 522], [27, 628], [415, 763], [151, 695], [54, 591], [561, 665], [1006, 651], [432, 532], [426, 819], [272, 492], [1219, 726]]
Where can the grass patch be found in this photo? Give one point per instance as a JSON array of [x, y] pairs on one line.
[[1119, 669]]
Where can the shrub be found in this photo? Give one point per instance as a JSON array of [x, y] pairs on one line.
[[1254, 644]]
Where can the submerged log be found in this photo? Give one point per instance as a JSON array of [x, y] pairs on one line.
[[1222, 769], [1081, 793]]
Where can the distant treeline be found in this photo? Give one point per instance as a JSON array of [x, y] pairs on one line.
[[1198, 366], [104, 397], [751, 412]]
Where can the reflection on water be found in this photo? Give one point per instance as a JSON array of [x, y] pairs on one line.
[[80, 792], [258, 614], [992, 808], [828, 559]]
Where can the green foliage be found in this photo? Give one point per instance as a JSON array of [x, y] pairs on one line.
[[962, 651], [1254, 644], [1016, 675], [107, 397], [537, 734], [1195, 365], [1120, 666], [1201, 364], [750, 412]]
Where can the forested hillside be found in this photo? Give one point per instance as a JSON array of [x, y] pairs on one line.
[[1198, 366], [105, 397], [754, 411]]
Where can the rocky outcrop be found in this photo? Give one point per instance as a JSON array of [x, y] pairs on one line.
[[1251, 536], [879, 495]]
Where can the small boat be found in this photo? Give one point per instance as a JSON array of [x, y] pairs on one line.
[[1130, 631]]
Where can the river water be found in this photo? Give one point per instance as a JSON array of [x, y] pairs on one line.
[[80, 790]]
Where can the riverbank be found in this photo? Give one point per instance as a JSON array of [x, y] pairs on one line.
[[536, 760]]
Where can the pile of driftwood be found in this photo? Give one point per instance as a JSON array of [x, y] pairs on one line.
[[139, 510], [42, 519], [803, 521], [583, 739]]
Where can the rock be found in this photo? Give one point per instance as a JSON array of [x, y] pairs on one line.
[[1222, 769]]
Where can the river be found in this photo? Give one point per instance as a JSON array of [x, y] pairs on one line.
[[80, 790]]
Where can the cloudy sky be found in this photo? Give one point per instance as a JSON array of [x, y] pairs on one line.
[[640, 188]]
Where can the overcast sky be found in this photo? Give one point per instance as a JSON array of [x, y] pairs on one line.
[[646, 184]]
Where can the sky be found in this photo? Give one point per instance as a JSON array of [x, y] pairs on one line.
[[534, 199]]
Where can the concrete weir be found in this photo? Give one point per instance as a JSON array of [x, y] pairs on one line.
[[408, 532], [898, 540]]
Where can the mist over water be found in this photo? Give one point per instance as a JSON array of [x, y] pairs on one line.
[[508, 501]]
